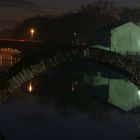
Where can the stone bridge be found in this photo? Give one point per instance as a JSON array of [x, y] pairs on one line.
[[30, 67]]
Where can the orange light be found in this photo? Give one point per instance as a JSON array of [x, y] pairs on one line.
[[30, 87], [32, 31]]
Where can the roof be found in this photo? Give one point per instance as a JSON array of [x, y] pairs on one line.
[[126, 38]]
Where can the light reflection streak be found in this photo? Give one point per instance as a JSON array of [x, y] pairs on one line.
[[11, 60], [0, 60], [30, 88], [73, 86]]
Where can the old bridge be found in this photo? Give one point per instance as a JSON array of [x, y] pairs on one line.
[[30, 67], [41, 60]]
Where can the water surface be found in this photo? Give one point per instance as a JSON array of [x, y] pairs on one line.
[[76, 101]]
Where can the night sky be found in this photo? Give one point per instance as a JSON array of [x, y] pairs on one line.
[[14, 11]]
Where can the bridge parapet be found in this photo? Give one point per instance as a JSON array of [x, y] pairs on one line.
[[124, 64]]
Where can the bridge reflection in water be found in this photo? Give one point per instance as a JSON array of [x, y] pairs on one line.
[[90, 86], [64, 100], [70, 94], [25, 74], [121, 93]]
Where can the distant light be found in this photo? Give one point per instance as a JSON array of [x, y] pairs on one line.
[[21, 40], [72, 88], [139, 95], [75, 34], [32, 30], [139, 92]]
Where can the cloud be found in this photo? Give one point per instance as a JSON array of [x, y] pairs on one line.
[[26, 5], [17, 3]]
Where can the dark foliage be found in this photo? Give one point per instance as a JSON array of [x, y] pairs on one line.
[[84, 22]]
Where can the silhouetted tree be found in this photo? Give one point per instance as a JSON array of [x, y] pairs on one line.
[[84, 22]]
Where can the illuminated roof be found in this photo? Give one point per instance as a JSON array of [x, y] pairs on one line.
[[100, 47], [126, 38]]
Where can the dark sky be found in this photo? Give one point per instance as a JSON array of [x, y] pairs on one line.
[[13, 11]]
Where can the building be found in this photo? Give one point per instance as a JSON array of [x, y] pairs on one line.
[[125, 39]]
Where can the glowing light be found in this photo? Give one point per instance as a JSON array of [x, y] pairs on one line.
[[72, 88], [30, 87], [139, 92], [32, 31], [75, 34]]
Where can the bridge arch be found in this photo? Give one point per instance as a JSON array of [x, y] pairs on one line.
[[25, 70]]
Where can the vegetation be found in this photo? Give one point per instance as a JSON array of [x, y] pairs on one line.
[[85, 22], [61, 29]]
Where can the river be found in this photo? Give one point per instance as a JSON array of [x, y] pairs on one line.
[[80, 100]]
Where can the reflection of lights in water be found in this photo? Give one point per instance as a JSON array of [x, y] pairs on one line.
[[9, 51], [137, 117], [72, 88], [30, 88], [11, 60], [74, 84], [7, 57], [0, 59]]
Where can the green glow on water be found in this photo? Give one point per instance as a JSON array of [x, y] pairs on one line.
[[123, 94]]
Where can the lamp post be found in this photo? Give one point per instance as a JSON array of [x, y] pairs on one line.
[[32, 31]]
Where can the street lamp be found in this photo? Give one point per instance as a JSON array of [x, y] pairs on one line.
[[32, 31]]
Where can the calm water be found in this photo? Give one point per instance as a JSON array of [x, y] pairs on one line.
[[76, 101]]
